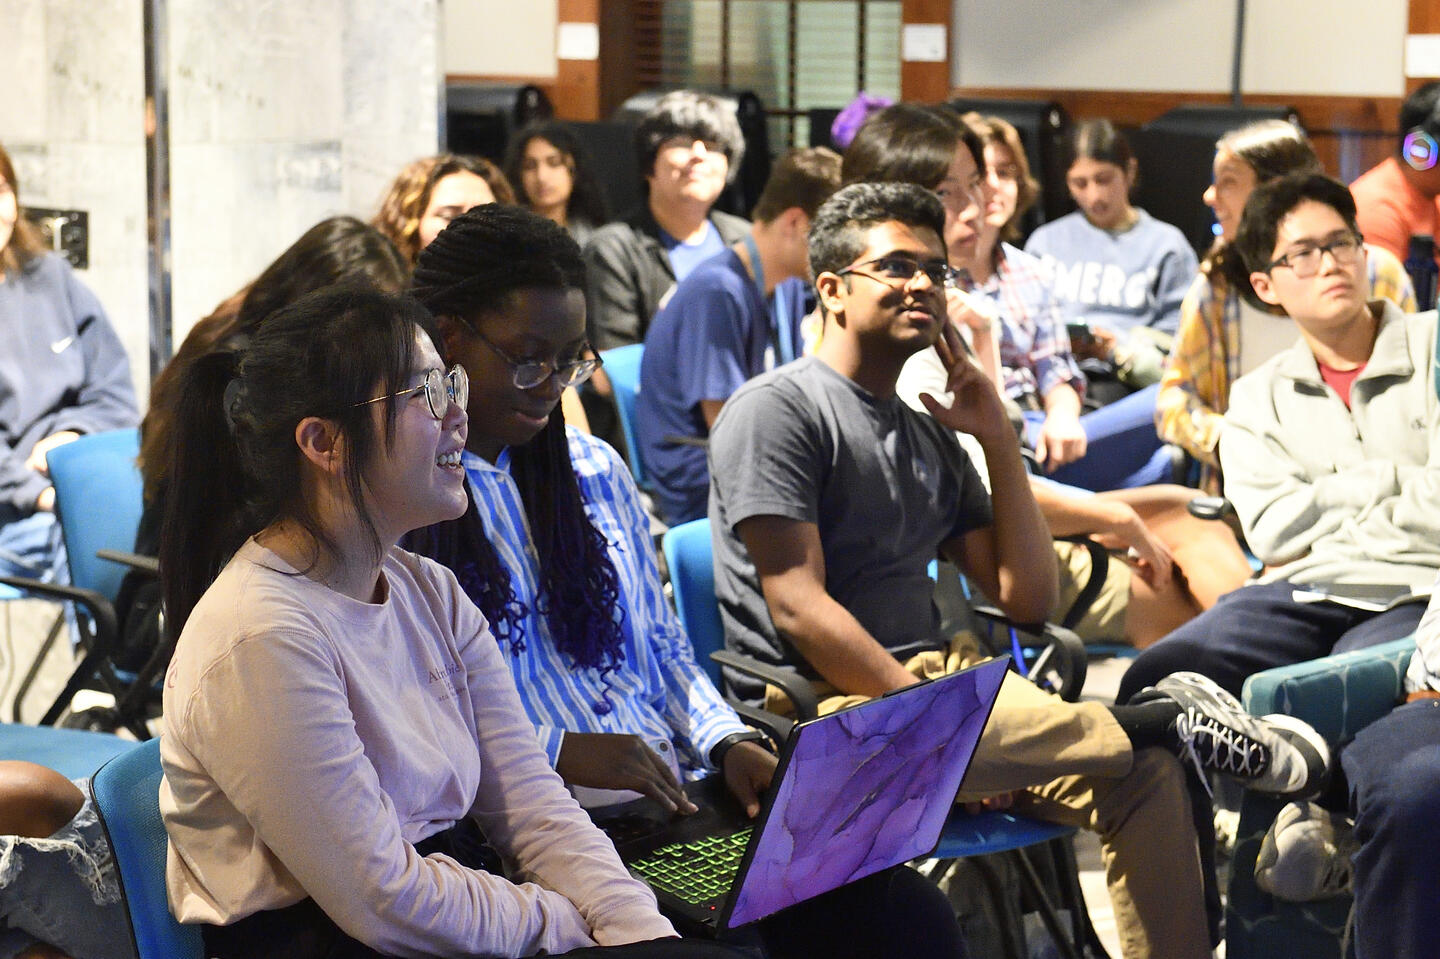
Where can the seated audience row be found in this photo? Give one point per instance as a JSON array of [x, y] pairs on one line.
[[828, 496]]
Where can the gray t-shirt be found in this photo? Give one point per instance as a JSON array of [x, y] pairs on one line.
[[884, 484]]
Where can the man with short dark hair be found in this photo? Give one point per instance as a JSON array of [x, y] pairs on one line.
[[1400, 197], [829, 497], [736, 316], [1331, 453]]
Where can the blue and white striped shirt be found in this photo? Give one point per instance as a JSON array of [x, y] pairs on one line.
[[658, 692]]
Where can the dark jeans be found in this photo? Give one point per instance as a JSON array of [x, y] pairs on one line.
[[1394, 771], [897, 913], [1122, 448], [1261, 626]]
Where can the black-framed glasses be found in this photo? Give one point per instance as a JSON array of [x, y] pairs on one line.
[[1304, 261], [441, 389], [531, 374], [900, 270]]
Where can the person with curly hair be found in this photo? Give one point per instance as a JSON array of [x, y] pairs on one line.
[[430, 192]]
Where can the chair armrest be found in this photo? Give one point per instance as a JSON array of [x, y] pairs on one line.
[[1339, 695], [797, 687], [96, 605], [143, 564], [777, 727], [678, 440], [1059, 662]]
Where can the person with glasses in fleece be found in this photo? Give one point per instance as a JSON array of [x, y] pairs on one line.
[[555, 549], [829, 497], [1329, 452]]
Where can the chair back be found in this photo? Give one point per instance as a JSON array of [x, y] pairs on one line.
[[622, 366], [692, 577], [126, 791], [98, 498]]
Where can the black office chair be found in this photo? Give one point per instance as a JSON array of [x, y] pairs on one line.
[[481, 117]]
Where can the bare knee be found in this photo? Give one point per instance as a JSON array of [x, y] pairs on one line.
[[35, 801]]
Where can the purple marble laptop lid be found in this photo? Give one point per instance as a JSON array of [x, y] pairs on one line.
[[864, 789]]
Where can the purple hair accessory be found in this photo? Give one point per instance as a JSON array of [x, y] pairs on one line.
[[849, 120]]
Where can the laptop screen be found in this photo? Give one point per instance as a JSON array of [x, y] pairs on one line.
[[864, 789]]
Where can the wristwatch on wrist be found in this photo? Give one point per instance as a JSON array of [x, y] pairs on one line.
[[717, 754]]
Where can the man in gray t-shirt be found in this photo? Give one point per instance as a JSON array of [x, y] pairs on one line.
[[809, 444], [829, 497]]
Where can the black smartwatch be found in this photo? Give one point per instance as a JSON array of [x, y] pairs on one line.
[[717, 755]]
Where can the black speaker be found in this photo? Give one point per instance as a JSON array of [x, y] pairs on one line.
[[480, 117], [1176, 154], [745, 186], [611, 149], [1043, 127]]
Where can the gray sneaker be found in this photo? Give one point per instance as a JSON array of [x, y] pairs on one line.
[[1306, 854], [1276, 754]]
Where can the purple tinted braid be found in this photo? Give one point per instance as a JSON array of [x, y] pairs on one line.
[[578, 582]]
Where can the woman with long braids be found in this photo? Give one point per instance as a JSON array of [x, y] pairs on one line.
[[555, 549]]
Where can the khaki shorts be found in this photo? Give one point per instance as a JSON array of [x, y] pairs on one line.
[[1104, 622]]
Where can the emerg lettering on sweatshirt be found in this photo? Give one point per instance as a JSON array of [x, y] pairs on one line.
[[1101, 284]]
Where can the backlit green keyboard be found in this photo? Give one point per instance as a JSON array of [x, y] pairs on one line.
[[695, 872]]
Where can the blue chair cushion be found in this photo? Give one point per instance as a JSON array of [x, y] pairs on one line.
[[73, 753], [993, 831]]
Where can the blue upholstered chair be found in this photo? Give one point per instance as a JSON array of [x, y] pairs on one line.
[[126, 791], [622, 366], [98, 500], [73, 753], [1338, 695]]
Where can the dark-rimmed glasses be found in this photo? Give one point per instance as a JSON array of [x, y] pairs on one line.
[[532, 374], [900, 270], [441, 389], [1304, 261]]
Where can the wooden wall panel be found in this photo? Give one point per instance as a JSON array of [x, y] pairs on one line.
[[927, 82], [1350, 134]]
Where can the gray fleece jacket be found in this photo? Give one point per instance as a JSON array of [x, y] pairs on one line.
[[1335, 495]]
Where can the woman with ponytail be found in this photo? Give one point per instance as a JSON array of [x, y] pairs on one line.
[[555, 549], [340, 725]]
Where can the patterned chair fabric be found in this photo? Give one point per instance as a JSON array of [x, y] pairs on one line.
[[1338, 695]]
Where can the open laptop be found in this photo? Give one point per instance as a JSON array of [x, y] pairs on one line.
[[855, 792]]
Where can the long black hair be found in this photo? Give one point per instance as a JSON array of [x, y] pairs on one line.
[[587, 200], [471, 270], [234, 467]]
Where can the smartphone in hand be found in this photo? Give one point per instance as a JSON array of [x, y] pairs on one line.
[[1080, 334]]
